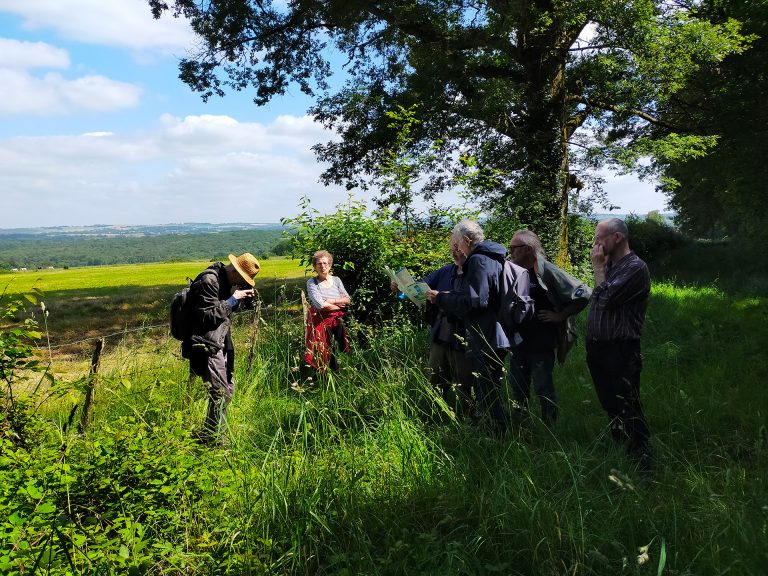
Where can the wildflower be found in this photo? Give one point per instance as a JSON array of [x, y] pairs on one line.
[[42, 306], [643, 557]]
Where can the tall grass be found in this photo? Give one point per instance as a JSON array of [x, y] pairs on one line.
[[365, 471]]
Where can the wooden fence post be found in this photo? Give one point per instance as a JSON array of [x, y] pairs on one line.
[[95, 359]]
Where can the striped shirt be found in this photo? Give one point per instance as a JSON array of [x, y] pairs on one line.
[[318, 294], [618, 305]]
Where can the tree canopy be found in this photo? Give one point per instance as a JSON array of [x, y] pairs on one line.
[[725, 192], [536, 91]]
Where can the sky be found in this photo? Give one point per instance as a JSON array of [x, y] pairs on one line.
[[96, 128]]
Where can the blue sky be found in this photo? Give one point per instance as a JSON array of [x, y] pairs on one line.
[[96, 128]]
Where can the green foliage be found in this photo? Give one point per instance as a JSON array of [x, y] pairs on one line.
[[722, 194], [19, 362], [652, 238], [116, 505], [362, 244], [511, 84], [366, 471]]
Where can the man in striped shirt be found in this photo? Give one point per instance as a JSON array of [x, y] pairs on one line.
[[615, 321]]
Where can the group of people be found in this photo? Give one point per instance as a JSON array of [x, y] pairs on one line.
[[470, 341]]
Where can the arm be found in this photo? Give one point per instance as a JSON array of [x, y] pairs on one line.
[[568, 294], [476, 292], [343, 299], [209, 310], [628, 284], [318, 301]]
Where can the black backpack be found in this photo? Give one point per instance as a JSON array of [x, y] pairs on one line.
[[515, 303], [181, 319]]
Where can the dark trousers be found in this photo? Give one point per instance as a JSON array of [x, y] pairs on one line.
[[216, 371], [532, 368], [615, 367], [336, 339], [487, 369], [450, 374]]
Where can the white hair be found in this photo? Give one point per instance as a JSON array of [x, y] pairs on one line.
[[470, 230]]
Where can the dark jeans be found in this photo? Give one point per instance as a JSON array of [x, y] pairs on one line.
[[530, 368], [216, 371], [615, 367]]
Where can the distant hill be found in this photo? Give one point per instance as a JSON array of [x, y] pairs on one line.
[[99, 245], [122, 231]]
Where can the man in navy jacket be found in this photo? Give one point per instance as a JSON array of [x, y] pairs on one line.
[[477, 302]]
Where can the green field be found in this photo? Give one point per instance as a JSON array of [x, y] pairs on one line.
[[368, 472], [85, 303], [157, 274]]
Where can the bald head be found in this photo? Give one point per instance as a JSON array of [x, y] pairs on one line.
[[613, 236]]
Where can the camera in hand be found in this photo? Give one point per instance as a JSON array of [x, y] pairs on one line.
[[248, 303]]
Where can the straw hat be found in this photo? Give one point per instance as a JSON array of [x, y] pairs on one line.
[[246, 265]]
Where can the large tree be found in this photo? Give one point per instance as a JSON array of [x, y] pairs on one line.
[[508, 81], [726, 191]]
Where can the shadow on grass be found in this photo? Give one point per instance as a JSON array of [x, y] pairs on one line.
[[76, 315]]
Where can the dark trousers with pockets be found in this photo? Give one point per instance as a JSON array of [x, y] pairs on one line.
[[216, 371]]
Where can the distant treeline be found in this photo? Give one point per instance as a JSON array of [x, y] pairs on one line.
[[61, 251]]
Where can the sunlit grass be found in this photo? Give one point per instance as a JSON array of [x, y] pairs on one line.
[[143, 275]]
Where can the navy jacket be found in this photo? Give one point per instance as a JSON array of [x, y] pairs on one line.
[[477, 300], [444, 279]]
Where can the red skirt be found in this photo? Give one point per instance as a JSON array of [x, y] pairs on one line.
[[319, 337]]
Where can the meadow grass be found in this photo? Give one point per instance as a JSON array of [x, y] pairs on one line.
[[367, 472]]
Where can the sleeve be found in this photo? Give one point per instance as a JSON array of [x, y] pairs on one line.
[[314, 295], [476, 293], [629, 284], [524, 304], [432, 279], [210, 311], [572, 295], [340, 285]]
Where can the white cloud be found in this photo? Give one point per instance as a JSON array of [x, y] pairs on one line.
[[120, 23], [199, 168], [24, 55], [632, 195], [50, 94]]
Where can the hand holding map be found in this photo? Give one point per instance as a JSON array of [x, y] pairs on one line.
[[415, 291]]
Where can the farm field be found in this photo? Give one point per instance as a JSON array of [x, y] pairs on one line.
[[123, 301], [120, 276], [367, 471]]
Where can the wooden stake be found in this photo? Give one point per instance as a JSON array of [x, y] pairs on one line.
[[91, 384]]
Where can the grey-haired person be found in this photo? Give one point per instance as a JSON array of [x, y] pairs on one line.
[[614, 326], [476, 301], [557, 297]]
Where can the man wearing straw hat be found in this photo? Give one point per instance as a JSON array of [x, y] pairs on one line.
[[215, 294]]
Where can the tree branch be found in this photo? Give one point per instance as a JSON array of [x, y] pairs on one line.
[[589, 103]]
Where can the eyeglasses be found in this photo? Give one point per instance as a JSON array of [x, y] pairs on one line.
[[513, 246]]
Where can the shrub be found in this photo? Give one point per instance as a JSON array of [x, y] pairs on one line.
[[362, 244], [652, 238]]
